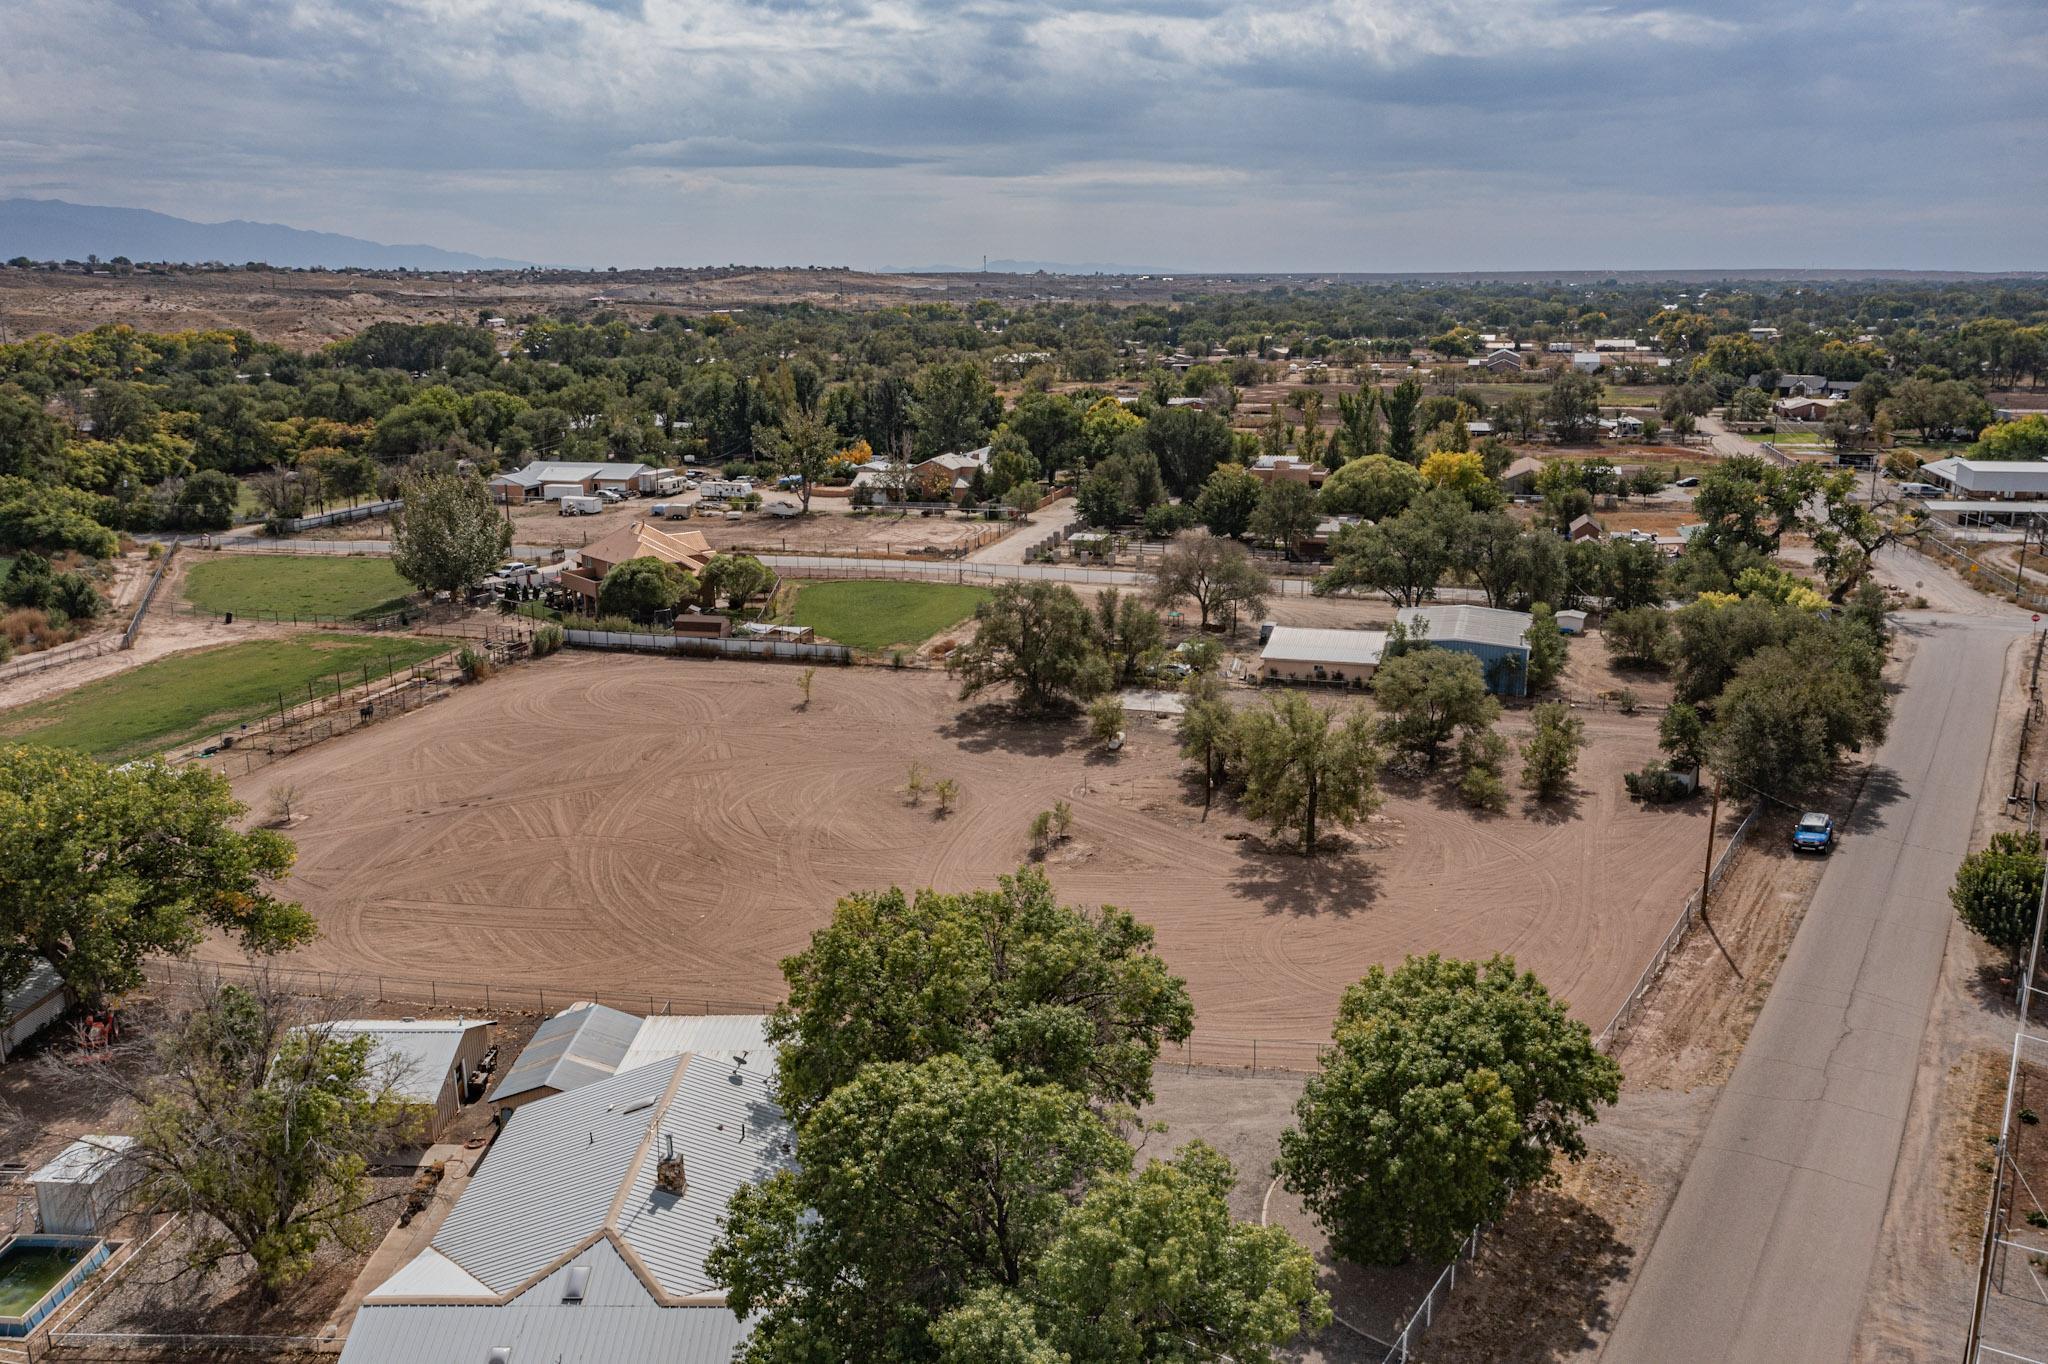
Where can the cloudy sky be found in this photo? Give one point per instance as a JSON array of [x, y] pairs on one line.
[[1179, 134]]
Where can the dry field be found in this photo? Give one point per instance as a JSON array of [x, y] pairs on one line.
[[679, 827]]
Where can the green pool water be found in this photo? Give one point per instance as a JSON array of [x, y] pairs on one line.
[[28, 1272]]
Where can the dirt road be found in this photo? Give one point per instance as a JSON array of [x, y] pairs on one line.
[[1769, 1246]]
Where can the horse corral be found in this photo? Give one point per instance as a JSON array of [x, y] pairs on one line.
[[678, 827]]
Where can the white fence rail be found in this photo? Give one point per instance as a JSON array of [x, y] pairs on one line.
[[701, 647]]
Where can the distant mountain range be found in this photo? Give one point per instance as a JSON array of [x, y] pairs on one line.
[[1025, 267], [51, 229]]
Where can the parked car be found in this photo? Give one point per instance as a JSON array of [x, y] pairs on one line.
[[1687, 482], [611, 494], [511, 566], [1815, 832]]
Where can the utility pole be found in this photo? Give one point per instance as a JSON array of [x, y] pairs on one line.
[[1707, 872]]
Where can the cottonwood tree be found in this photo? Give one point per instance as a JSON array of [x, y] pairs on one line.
[[257, 1122], [1055, 993], [1303, 764], [1037, 638], [1219, 576], [1449, 1085], [1791, 710], [1547, 647], [738, 578], [950, 1210], [1426, 695], [1227, 500], [1286, 514], [802, 444], [920, 1182], [102, 868], [1405, 556], [1638, 637], [1374, 487], [1997, 891], [448, 536]]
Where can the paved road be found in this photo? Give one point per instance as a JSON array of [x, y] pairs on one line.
[[1768, 1249]]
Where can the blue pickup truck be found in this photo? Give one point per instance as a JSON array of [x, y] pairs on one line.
[[1814, 833]]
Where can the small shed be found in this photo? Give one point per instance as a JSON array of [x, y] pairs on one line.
[[1571, 622], [437, 1062], [85, 1189], [31, 1006]]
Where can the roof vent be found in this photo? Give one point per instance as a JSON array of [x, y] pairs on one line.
[[579, 1281], [668, 1175], [500, 1354]]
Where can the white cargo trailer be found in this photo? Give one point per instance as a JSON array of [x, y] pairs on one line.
[[555, 492], [581, 506]]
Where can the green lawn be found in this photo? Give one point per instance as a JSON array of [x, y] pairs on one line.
[[288, 587], [163, 704], [878, 614]]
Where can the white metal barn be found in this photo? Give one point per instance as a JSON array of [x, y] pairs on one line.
[[85, 1189], [31, 1006]]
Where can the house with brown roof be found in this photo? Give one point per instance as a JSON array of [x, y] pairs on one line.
[[687, 550]]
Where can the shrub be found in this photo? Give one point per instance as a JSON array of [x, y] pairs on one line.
[[914, 785], [1041, 830], [1626, 701], [948, 791], [1062, 819], [547, 639], [1998, 888], [1655, 783], [1482, 789], [1105, 718], [475, 666]]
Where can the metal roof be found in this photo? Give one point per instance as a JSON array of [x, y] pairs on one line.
[[1300, 644], [85, 1161], [42, 982], [582, 1044], [666, 1036], [617, 1321], [424, 1050], [582, 1164], [1992, 475], [1469, 625], [560, 471]]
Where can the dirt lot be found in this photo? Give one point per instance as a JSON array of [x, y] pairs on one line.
[[680, 826]]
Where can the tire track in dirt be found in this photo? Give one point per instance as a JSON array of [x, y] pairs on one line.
[[680, 826]]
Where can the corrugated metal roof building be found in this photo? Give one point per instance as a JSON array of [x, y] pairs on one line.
[[568, 1246], [1498, 639], [432, 1057], [581, 1044]]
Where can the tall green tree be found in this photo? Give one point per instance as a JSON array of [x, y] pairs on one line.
[[1056, 993], [1400, 403], [1374, 487], [259, 1127], [919, 1184], [103, 868], [1303, 764], [1216, 574], [1448, 1086], [953, 408], [801, 444], [448, 536], [1426, 695], [1036, 638], [1227, 500]]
